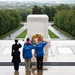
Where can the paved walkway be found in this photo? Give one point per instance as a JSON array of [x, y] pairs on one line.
[[59, 51], [59, 34], [16, 33], [52, 70], [13, 35]]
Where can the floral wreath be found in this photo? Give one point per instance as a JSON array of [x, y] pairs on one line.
[[36, 36]]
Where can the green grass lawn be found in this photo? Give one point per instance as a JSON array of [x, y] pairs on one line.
[[51, 34], [64, 32], [23, 34], [10, 32]]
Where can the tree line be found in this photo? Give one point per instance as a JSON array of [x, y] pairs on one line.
[[66, 20], [9, 19], [49, 10], [62, 15]]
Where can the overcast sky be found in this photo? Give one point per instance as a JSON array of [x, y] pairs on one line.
[[42, 0]]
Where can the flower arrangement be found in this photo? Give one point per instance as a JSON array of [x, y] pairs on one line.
[[36, 36]]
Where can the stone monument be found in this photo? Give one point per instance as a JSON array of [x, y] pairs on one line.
[[37, 24]]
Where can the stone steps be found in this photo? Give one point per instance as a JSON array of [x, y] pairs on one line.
[[44, 64]]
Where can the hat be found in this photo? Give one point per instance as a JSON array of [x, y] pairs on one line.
[[16, 40], [39, 39]]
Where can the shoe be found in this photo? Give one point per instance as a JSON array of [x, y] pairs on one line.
[[16, 73], [28, 70], [36, 71], [16, 70], [40, 70]]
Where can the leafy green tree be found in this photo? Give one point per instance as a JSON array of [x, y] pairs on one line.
[[9, 19], [70, 22], [2, 22], [24, 13], [65, 20], [50, 11], [36, 10], [63, 7]]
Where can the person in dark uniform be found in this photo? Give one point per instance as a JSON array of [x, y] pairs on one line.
[[16, 54]]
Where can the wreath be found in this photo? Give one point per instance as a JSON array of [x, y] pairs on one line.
[[36, 36]]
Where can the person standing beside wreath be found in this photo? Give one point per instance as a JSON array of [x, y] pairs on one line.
[[27, 53], [39, 52], [16, 54]]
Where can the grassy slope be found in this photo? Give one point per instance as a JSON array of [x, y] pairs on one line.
[[9, 33], [52, 35], [23, 34], [64, 32]]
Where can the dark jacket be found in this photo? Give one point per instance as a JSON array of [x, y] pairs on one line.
[[16, 53]]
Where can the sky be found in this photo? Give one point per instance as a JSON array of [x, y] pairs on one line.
[[43, 0]]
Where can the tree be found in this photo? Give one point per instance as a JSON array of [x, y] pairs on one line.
[[9, 19], [36, 10], [50, 11], [24, 13], [63, 7], [65, 20]]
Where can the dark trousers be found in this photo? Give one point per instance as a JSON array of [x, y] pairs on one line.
[[39, 62], [16, 66]]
